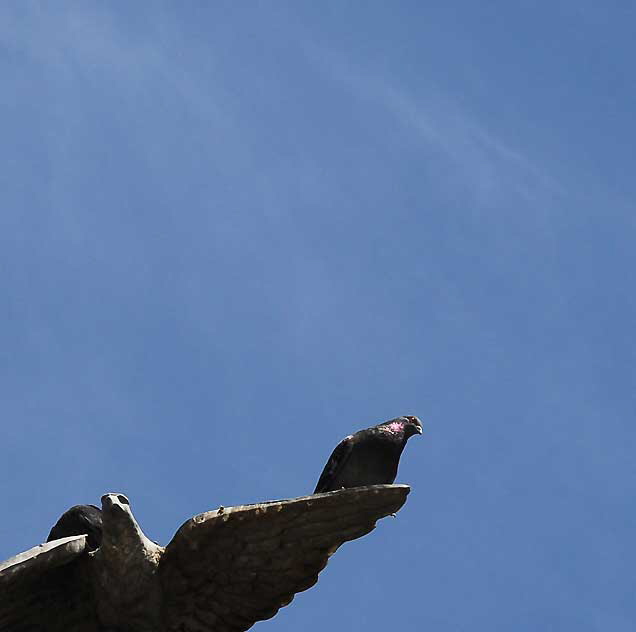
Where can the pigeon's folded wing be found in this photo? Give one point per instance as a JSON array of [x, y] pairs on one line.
[[46, 588], [335, 464], [226, 569]]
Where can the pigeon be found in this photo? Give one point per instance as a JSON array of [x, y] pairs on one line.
[[80, 520], [368, 457]]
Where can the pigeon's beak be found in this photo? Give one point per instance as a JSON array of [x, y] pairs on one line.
[[418, 429]]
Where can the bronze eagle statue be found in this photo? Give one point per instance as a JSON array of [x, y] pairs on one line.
[[222, 571]]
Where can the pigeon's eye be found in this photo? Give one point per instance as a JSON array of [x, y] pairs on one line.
[[122, 499]]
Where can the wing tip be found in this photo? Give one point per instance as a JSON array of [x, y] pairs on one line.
[[390, 498], [46, 555]]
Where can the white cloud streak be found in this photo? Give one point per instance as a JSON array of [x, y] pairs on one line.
[[490, 167]]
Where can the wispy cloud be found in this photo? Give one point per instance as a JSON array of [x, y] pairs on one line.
[[62, 37], [480, 158], [88, 40]]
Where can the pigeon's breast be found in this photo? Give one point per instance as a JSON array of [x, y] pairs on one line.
[[370, 463]]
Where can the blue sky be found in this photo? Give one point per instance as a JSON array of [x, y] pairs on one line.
[[233, 233]]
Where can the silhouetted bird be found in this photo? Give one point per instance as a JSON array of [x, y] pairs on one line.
[[80, 520], [368, 457]]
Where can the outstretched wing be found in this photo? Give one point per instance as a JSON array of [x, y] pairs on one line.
[[334, 465], [45, 588], [226, 569]]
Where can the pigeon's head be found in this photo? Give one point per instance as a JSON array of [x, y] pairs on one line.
[[412, 425], [404, 427]]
